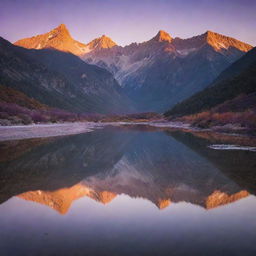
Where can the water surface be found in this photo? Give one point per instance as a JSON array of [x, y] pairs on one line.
[[124, 191]]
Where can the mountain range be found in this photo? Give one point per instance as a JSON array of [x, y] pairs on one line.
[[154, 75], [163, 71]]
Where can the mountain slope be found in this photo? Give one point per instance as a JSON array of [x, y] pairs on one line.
[[59, 79], [161, 72], [59, 38], [9, 95], [237, 80]]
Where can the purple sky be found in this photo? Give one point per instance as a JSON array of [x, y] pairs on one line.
[[127, 21]]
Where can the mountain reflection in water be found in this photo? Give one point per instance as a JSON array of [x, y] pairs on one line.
[[162, 167]]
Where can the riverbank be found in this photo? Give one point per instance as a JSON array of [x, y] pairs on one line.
[[69, 128], [240, 122], [19, 132]]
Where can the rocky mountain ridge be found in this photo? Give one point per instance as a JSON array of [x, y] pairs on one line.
[[60, 39], [155, 74], [159, 73]]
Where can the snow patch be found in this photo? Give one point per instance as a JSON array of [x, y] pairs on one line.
[[221, 45], [231, 147], [39, 46], [185, 52], [51, 36]]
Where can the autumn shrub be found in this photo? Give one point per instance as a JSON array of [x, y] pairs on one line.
[[5, 122], [38, 117], [209, 119], [12, 109], [15, 120], [3, 115], [26, 119]]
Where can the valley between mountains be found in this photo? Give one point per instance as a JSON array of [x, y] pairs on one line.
[[208, 80]]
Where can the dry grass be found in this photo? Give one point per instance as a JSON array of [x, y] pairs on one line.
[[207, 119]]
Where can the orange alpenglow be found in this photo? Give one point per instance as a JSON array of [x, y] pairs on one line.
[[60, 39], [162, 36], [61, 200]]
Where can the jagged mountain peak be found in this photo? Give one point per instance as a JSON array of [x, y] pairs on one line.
[[62, 26], [103, 42], [60, 33], [61, 29], [219, 41], [162, 36], [58, 38], [209, 33]]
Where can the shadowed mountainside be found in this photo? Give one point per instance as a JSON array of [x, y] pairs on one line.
[[237, 82], [60, 80], [159, 73]]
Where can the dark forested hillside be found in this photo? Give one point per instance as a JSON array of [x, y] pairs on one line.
[[60, 80], [237, 80]]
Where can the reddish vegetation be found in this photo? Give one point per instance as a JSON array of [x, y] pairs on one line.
[[239, 112], [224, 138], [10, 95], [246, 119], [11, 113], [17, 108]]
